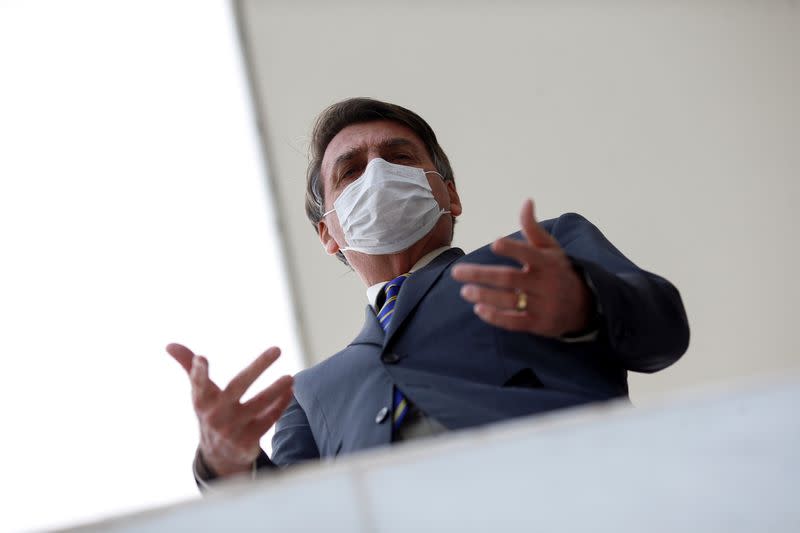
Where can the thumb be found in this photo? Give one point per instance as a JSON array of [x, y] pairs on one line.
[[531, 229]]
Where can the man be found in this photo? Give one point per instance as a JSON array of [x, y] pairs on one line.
[[549, 317]]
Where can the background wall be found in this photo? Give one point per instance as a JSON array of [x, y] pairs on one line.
[[674, 127], [133, 213]]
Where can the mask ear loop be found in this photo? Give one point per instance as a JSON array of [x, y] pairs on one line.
[[434, 172], [328, 213], [442, 211]]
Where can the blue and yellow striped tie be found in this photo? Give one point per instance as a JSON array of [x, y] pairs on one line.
[[392, 289]]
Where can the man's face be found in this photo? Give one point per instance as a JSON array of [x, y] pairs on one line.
[[347, 156]]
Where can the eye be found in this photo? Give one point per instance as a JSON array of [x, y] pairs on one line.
[[348, 174], [402, 157]]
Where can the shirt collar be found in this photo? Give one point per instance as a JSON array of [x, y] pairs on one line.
[[375, 290]]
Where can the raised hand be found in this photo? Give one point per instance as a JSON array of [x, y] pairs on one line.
[[230, 429], [545, 296]]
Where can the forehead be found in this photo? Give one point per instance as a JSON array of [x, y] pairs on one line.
[[364, 136]]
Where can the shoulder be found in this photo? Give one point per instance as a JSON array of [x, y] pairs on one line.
[[311, 377], [566, 224], [344, 366], [312, 382], [564, 228]]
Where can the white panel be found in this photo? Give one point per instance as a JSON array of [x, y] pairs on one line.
[[725, 462], [325, 501], [728, 466], [133, 213]]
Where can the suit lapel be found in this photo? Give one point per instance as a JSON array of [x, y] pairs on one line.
[[416, 287]]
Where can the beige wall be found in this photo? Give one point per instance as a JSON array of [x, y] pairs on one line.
[[675, 127]]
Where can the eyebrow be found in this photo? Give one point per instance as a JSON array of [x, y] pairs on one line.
[[353, 152]]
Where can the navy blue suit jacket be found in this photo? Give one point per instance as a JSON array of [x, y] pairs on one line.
[[464, 372]]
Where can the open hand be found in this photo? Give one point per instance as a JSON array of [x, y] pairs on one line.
[[546, 296], [230, 430]]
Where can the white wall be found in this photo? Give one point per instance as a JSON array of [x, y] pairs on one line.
[[674, 127], [133, 213]]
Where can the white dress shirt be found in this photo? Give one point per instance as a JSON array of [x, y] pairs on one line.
[[375, 290]]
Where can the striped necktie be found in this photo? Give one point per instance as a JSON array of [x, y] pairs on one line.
[[392, 290]]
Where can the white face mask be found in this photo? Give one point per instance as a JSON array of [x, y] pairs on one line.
[[387, 209]]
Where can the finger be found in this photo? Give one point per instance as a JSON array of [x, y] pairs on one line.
[[204, 391], [263, 399], [534, 233], [503, 277], [239, 384], [520, 251], [182, 355], [503, 318], [268, 416], [503, 299]]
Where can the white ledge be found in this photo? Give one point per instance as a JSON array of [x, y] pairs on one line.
[[724, 461]]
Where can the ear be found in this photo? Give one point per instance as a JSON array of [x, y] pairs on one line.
[[455, 201], [327, 240]]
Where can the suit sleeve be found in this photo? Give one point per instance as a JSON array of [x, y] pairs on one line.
[[292, 443], [642, 314]]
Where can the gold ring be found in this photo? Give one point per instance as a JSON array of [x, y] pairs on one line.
[[522, 301]]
